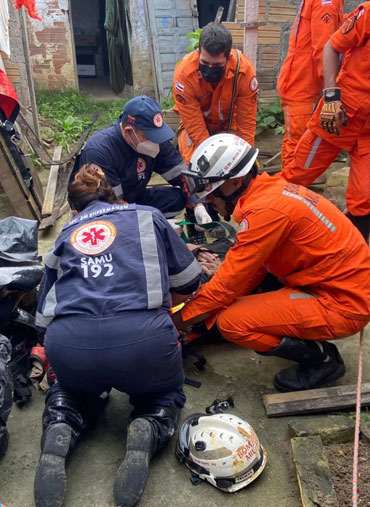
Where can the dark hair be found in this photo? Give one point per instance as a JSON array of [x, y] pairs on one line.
[[216, 39], [90, 184]]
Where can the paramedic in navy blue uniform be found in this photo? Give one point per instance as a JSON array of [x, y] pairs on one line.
[[105, 302], [131, 149]]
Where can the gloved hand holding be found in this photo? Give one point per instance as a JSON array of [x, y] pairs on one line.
[[201, 215], [333, 112]]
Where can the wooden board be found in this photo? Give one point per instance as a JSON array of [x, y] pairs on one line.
[[314, 400], [14, 186], [315, 484], [47, 208]]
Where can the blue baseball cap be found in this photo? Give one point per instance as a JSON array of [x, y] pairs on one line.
[[146, 114]]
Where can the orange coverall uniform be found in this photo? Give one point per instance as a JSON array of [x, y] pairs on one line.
[[301, 77], [313, 249], [317, 148], [204, 110]]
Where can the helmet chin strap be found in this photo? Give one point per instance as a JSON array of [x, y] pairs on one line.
[[231, 200]]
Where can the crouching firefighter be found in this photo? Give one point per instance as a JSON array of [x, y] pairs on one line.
[[299, 237], [105, 302]]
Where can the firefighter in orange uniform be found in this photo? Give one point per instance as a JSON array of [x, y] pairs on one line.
[[203, 91], [301, 77], [341, 120], [299, 237]]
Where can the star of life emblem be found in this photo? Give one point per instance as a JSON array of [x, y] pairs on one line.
[[93, 238]]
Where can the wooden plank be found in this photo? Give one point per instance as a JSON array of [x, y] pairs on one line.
[[14, 186], [315, 484], [47, 208], [314, 400]]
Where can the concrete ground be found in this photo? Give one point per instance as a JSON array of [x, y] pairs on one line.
[[230, 371]]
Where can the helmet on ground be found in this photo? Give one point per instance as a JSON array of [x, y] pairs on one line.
[[221, 449], [218, 158]]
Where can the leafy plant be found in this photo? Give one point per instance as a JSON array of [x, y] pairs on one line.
[[193, 39], [270, 116], [68, 112]]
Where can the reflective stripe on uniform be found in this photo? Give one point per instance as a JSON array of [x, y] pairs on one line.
[[302, 295], [48, 312], [186, 276], [150, 259], [175, 172], [312, 152], [318, 213]]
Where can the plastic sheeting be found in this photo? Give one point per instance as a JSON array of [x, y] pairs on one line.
[[20, 267]]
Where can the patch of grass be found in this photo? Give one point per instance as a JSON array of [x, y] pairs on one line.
[[68, 112]]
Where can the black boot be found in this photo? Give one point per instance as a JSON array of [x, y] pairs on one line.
[[319, 363], [6, 395], [62, 425], [147, 433], [362, 223]]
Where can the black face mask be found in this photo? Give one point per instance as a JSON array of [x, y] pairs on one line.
[[211, 74]]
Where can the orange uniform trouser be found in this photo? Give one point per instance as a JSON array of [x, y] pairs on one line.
[[296, 116], [313, 156], [259, 321]]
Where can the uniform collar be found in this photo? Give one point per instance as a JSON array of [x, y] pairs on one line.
[[238, 213]]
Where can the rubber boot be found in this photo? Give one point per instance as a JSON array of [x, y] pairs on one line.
[[62, 425], [362, 223], [319, 363], [147, 433], [6, 392]]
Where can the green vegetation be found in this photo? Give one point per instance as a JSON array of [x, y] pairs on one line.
[[193, 39], [270, 116], [66, 114]]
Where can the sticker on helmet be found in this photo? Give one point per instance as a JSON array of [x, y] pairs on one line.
[[253, 85], [158, 120], [93, 238]]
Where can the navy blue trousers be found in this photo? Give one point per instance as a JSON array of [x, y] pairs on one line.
[[137, 352]]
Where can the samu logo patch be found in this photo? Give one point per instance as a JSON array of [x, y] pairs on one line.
[[93, 238]]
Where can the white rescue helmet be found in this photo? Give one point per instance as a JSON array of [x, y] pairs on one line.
[[218, 158], [221, 449]]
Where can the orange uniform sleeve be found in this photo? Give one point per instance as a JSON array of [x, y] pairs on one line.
[[189, 108], [325, 20], [243, 268], [246, 106], [354, 31]]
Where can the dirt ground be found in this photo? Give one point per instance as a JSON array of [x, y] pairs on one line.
[[340, 457]]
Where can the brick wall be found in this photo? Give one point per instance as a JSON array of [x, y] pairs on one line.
[[51, 46]]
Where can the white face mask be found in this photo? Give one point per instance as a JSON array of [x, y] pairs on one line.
[[147, 147]]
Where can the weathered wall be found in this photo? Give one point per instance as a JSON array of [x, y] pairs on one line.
[[51, 46], [16, 68], [140, 50]]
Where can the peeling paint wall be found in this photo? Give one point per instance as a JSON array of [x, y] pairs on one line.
[[51, 46], [140, 50]]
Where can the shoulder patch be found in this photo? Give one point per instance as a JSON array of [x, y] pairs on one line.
[[253, 85], [180, 87], [93, 238], [349, 23], [244, 225], [180, 98]]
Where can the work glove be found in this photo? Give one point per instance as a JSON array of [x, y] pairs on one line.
[[333, 111], [201, 216]]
